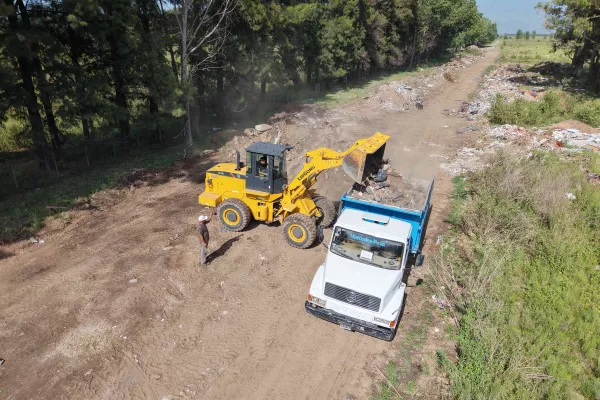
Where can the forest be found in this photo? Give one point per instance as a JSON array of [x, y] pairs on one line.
[[85, 79]]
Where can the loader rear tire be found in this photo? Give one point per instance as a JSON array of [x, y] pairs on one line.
[[300, 231], [234, 215], [327, 209]]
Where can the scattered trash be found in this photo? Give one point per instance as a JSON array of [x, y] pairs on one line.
[[439, 239], [134, 280], [441, 303], [436, 330], [2, 361], [571, 196], [575, 138], [381, 176], [35, 240]]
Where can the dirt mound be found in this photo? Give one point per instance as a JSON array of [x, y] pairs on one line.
[[393, 97], [552, 68]]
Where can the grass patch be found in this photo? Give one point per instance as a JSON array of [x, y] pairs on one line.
[[521, 267], [554, 107], [22, 213], [530, 51]]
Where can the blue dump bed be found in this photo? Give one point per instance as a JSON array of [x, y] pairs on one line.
[[416, 217]]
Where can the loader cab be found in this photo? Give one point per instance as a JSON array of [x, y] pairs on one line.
[[266, 167]]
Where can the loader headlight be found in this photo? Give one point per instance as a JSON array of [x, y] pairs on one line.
[[317, 301], [386, 322]]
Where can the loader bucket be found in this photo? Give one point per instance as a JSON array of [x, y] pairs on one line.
[[365, 160]]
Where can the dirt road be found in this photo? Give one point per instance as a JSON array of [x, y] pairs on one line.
[[114, 306]]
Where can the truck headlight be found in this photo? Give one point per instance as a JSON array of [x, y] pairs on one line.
[[386, 322], [317, 301]]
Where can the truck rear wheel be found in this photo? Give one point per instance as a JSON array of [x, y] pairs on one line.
[[327, 210], [300, 230], [234, 214]]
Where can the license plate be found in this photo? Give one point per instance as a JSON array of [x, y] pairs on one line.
[[346, 327]]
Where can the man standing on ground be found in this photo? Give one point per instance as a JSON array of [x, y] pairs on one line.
[[204, 236]]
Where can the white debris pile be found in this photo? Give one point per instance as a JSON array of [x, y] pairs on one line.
[[578, 139], [468, 159], [507, 131]]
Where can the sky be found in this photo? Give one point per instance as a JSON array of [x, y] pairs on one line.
[[511, 15]]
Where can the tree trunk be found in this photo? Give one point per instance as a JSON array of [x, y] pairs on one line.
[[55, 135], [579, 57], [33, 109], [184, 68], [173, 62], [80, 90], [263, 87], [120, 91], [150, 81], [594, 76]]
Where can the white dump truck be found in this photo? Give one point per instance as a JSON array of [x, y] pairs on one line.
[[360, 285]]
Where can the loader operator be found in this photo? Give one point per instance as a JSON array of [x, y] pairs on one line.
[[261, 168], [204, 236]]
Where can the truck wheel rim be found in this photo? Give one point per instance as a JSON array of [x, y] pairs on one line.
[[297, 233], [231, 216]]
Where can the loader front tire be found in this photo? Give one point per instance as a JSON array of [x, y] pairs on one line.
[[300, 231], [234, 215], [327, 210]]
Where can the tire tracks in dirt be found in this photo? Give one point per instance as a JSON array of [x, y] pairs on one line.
[[235, 329]]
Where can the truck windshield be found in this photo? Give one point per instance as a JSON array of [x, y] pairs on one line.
[[367, 249]]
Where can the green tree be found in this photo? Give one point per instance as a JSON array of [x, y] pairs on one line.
[[577, 30], [533, 34], [519, 34], [527, 35]]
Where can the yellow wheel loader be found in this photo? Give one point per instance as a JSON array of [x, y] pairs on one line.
[[260, 189]]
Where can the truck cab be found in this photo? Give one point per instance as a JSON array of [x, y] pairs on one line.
[[360, 284]]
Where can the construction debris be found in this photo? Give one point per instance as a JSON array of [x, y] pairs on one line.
[[396, 191]]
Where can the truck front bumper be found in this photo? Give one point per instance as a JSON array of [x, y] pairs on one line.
[[353, 324]]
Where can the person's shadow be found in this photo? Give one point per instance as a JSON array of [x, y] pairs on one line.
[[221, 250]]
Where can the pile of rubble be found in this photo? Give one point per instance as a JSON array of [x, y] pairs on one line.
[[395, 96], [392, 189], [409, 94]]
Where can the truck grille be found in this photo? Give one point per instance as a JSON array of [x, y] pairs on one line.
[[351, 297]]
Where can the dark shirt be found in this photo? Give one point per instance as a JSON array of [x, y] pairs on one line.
[[203, 230]]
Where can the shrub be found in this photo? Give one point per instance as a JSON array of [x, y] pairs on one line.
[[549, 109], [521, 269], [588, 112]]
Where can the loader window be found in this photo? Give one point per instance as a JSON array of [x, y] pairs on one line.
[[367, 249], [249, 164], [279, 168]]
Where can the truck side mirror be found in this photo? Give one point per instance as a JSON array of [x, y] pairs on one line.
[[419, 260]]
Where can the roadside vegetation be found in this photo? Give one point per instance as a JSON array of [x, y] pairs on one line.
[[522, 268], [553, 107]]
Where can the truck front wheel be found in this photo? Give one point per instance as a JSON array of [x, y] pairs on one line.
[[300, 230]]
